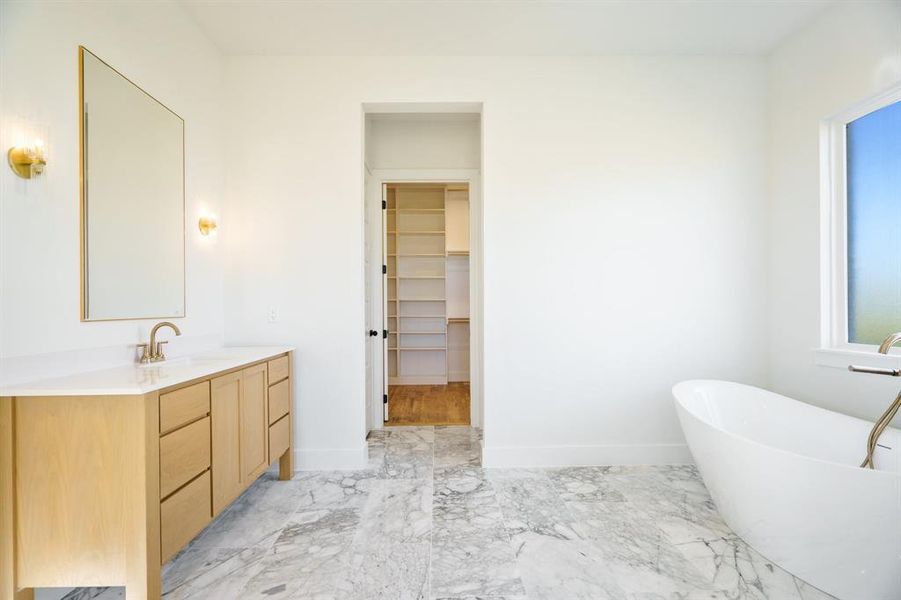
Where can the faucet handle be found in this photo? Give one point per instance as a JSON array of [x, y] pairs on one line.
[[875, 371], [158, 355], [145, 355]]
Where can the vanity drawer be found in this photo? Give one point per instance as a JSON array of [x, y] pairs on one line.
[[279, 434], [184, 405], [183, 515], [279, 368], [184, 453], [279, 400]]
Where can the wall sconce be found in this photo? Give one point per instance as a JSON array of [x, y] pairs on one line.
[[27, 161], [207, 225]]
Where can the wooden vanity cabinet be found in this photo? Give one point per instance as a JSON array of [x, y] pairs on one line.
[[254, 439], [281, 423], [225, 394], [183, 515], [184, 454], [239, 432], [103, 490]]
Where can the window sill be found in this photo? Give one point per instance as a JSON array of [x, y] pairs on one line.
[[863, 356]]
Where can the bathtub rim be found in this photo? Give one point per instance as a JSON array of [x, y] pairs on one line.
[[683, 385]]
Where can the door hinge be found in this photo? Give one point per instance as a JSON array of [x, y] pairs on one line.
[[384, 269], [384, 398], [384, 333], [384, 204]]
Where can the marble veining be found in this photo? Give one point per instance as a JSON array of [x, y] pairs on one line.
[[425, 521]]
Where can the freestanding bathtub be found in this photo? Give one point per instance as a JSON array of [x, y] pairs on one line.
[[784, 476]]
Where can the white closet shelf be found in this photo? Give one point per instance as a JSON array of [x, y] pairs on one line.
[[420, 255], [458, 319], [423, 232], [421, 210], [421, 277], [458, 252], [421, 299], [422, 316], [436, 349]]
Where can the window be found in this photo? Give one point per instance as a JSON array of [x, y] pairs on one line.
[[873, 159], [861, 224]]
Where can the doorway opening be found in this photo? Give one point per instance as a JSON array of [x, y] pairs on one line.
[[426, 294], [423, 267]]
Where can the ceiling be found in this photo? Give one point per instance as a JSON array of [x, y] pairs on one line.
[[500, 27]]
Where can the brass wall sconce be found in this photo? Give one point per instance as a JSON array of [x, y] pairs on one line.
[[27, 161], [207, 225]]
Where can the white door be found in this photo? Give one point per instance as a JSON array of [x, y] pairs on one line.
[[384, 241], [367, 266], [374, 258], [375, 281]]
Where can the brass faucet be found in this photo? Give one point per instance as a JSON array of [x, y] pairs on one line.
[[153, 352], [888, 342], [886, 418]]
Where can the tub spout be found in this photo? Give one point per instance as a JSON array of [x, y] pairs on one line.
[[889, 414], [877, 430]]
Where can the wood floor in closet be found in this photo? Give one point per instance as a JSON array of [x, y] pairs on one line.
[[428, 404]]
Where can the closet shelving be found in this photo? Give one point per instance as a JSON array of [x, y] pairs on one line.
[[457, 272], [427, 280], [417, 293]]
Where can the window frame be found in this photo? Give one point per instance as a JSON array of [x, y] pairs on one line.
[[835, 348]]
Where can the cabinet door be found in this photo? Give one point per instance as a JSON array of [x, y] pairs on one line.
[[225, 412], [254, 423]]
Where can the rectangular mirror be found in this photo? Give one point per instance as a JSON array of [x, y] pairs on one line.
[[132, 199]]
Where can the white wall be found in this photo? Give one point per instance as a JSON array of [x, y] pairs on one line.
[[852, 52], [158, 46], [624, 205], [423, 141]]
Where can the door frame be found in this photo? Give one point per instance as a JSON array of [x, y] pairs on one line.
[[373, 196]]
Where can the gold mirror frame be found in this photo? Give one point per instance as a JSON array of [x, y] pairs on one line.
[[82, 189]]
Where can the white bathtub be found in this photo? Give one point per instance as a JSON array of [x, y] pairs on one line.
[[784, 476]]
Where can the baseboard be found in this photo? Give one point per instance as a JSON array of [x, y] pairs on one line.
[[574, 456], [337, 459], [458, 376]]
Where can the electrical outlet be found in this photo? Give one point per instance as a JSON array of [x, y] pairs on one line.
[[272, 314]]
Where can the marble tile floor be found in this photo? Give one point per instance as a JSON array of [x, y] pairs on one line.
[[425, 521]]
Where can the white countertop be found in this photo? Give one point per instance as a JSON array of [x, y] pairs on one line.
[[141, 379]]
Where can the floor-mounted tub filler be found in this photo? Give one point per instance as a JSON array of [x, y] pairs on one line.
[[785, 476]]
